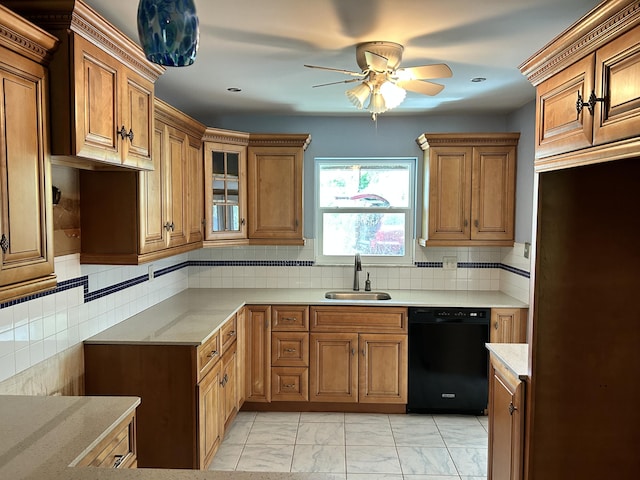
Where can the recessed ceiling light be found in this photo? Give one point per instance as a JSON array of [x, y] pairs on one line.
[[234, 89], [478, 79]]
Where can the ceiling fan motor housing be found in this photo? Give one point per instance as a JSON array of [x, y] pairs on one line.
[[389, 50]]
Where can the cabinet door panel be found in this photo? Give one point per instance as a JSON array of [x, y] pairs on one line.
[[449, 193], [275, 216], [618, 81], [258, 342], [228, 382], [177, 161], [289, 349], [290, 384], [23, 168], [152, 198], [137, 115], [559, 126], [383, 368], [508, 325], [97, 103], [333, 367], [195, 193], [210, 421], [493, 193]]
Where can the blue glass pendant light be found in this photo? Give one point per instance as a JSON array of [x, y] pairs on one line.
[[169, 31]]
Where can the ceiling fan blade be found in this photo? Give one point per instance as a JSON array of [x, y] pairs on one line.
[[420, 86], [438, 70], [346, 72], [376, 62], [351, 80]]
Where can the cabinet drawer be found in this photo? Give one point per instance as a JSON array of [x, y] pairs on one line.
[[290, 384], [208, 354], [359, 319], [117, 450], [289, 349], [228, 333], [287, 318]]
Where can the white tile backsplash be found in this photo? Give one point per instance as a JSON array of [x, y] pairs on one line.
[[37, 330]]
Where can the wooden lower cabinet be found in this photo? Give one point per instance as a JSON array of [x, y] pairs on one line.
[[334, 367], [258, 353], [116, 450], [363, 368], [508, 325], [506, 423], [189, 395], [210, 416]]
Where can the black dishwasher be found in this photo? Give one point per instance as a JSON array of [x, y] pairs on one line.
[[448, 361]]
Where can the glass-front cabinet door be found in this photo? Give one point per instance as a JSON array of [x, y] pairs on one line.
[[225, 192]]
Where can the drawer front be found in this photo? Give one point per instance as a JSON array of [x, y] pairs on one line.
[[290, 384], [359, 319], [289, 318], [289, 349], [208, 354], [117, 450], [228, 333]]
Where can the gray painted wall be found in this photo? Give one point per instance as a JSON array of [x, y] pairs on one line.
[[392, 135]]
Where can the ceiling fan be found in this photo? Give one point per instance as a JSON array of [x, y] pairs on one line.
[[382, 81]]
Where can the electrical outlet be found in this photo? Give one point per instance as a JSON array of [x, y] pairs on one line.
[[449, 263], [527, 247], [151, 272]]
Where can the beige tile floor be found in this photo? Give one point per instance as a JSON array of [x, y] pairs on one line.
[[357, 446]]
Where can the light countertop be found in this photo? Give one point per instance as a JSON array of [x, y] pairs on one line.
[[514, 356], [192, 315], [42, 436]]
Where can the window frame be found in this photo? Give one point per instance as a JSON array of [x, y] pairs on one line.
[[410, 213]]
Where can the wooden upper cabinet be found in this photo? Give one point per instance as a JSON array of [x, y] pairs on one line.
[[103, 86], [588, 92], [225, 193], [168, 199], [469, 189], [26, 231], [275, 179]]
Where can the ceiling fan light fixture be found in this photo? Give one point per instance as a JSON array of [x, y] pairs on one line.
[[169, 31], [358, 95], [393, 94], [377, 103]]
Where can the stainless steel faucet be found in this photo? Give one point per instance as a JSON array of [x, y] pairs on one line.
[[357, 267]]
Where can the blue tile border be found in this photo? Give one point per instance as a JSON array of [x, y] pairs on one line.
[[83, 281]]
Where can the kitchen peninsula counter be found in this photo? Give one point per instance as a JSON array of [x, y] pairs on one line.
[[191, 316]]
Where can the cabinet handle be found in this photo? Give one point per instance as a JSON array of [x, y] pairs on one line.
[[466, 223], [169, 226], [242, 221], [353, 352], [124, 134], [512, 408], [4, 243], [363, 353], [118, 460], [590, 104], [495, 325], [288, 385], [231, 333], [213, 353], [290, 350], [288, 319], [476, 223]]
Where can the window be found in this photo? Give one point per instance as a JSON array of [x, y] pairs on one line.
[[365, 206]]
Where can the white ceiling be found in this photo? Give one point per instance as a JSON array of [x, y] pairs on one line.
[[260, 46]]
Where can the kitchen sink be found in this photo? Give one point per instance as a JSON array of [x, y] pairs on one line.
[[357, 295]]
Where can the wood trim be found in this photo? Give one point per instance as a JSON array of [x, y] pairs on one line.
[[218, 135], [324, 407], [21, 36], [427, 140], [78, 17], [585, 36], [30, 287], [173, 117], [280, 140]]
